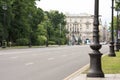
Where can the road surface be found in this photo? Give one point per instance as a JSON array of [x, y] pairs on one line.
[[54, 63]]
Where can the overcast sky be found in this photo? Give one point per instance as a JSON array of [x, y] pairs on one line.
[[78, 6]]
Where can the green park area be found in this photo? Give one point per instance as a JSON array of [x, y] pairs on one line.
[[111, 65]]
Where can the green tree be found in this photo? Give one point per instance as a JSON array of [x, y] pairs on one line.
[[41, 34], [22, 18], [5, 18], [117, 4], [23, 21], [58, 23]]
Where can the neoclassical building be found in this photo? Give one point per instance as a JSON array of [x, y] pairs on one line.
[[80, 28]]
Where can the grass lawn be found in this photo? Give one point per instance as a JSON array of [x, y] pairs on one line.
[[111, 65]]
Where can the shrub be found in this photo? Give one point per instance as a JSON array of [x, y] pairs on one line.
[[22, 42], [41, 40], [51, 42]]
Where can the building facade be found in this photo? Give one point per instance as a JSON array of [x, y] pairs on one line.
[[80, 28]]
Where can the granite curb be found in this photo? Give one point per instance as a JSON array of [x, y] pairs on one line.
[[78, 75]]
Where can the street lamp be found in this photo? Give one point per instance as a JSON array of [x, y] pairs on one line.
[[47, 35], [95, 57], [31, 32], [60, 36], [117, 43], [30, 37], [4, 7], [112, 52]]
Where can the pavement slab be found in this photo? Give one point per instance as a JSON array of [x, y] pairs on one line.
[[107, 77]]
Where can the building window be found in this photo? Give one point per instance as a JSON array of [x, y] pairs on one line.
[[70, 20], [80, 20], [70, 29], [80, 26], [87, 24]]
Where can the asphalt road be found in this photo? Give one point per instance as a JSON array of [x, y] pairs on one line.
[[54, 63]]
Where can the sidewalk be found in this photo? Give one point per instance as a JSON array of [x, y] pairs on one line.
[[107, 77], [79, 76]]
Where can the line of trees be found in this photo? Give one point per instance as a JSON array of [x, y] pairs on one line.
[[22, 23]]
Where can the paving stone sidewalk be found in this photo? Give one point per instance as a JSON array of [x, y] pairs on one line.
[[107, 77], [79, 76]]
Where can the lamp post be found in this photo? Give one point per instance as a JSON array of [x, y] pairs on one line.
[[31, 32], [4, 7], [117, 26], [112, 52], [95, 57], [60, 36], [47, 35], [117, 43], [30, 37]]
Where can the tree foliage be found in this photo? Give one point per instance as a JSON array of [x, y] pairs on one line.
[[21, 20], [117, 4]]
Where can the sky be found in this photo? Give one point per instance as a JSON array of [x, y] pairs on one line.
[[78, 6]]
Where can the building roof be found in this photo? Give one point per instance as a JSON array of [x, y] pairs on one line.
[[79, 15]]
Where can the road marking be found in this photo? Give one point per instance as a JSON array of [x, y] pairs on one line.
[[64, 55], [51, 58], [30, 63], [14, 57], [6, 53], [35, 54]]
